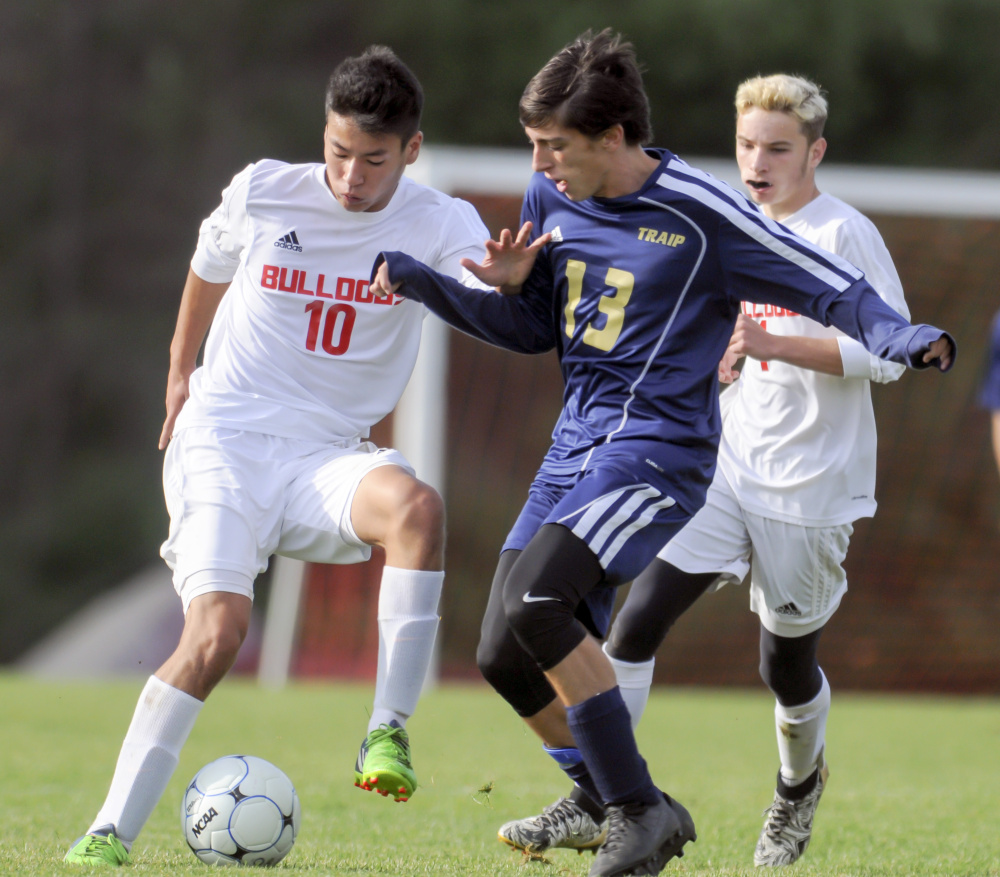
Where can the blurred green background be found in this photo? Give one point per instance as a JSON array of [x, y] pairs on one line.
[[122, 120]]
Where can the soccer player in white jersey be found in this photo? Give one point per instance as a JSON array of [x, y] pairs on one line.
[[635, 279], [266, 448], [796, 467]]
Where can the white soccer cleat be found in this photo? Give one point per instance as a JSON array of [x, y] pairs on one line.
[[788, 826], [563, 824]]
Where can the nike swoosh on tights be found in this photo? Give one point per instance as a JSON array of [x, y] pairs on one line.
[[529, 599]]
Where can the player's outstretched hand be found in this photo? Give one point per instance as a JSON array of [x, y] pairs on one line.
[[941, 350], [509, 260]]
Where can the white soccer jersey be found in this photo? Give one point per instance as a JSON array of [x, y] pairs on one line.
[[797, 445], [299, 346]]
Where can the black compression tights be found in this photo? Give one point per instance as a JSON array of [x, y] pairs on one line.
[[663, 593], [523, 637]]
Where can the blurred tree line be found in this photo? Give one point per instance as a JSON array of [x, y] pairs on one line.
[[122, 120]]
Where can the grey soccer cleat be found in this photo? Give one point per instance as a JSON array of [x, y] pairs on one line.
[[642, 838], [564, 824], [788, 826]]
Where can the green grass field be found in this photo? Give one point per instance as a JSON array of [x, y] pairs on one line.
[[913, 786]]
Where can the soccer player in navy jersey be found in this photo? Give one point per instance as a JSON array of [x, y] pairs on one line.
[[635, 277], [989, 394]]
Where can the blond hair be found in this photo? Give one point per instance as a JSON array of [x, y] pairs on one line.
[[795, 95]]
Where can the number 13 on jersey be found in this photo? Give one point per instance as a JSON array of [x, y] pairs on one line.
[[612, 306]]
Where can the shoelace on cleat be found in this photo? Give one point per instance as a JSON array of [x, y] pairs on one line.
[[779, 816], [395, 736], [556, 814], [618, 824]]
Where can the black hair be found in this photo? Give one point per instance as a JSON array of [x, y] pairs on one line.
[[592, 84], [378, 92]]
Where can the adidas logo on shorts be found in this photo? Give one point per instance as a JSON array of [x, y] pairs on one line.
[[788, 609], [289, 242]]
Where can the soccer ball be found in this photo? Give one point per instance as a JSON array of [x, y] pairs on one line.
[[240, 810]]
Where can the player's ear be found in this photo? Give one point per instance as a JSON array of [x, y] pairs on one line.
[[412, 148], [613, 137], [817, 151]]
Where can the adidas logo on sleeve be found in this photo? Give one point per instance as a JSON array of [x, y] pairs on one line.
[[289, 242]]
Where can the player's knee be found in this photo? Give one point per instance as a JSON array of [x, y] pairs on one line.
[[419, 520], [633, 643], [212, 647], [542, 626], [491, 662]]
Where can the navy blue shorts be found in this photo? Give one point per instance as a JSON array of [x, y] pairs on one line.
[[622, 519]]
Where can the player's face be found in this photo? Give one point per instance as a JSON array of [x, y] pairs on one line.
[[580, 166], [362, 169], [777, 163]]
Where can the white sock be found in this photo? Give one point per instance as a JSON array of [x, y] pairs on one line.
[[801, 735], [407, 625], [161, 724], [634, 681]]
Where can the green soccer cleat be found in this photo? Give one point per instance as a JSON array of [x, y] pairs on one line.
[[383, 764], [98, 848]]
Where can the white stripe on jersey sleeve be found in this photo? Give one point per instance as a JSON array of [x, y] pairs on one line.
[[725, 200]]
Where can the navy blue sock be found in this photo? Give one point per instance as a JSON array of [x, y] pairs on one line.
[[571, 761], [602, 729]]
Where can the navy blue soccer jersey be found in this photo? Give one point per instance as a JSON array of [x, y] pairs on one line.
[[639, 295], [989, 393]]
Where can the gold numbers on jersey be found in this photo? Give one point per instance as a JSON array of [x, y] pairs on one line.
[[612, 305]]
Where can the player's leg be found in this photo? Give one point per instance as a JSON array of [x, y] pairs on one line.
[[198, 478], [576, 822], [344, 501], [657, 598], [712, 550], [798, 582], [393, 509], [214, 628], [561, 565]]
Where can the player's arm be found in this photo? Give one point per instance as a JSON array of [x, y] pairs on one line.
[[858, 241], [829, 290], [199, 302], [816, 354], [859, 312], [520, 322]]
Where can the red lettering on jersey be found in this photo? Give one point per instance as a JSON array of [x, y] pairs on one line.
[[319, 288], [287, 287], [269, 279], [345, 289], [362, 294], [333, 325], [301, 288], [759, 312]]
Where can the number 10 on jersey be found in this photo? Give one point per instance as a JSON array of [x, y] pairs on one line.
[[330, 326]]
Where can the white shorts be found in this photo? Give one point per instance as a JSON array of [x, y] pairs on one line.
[[235, 498], [797, 578]]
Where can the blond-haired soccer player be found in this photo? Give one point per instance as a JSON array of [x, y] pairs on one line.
[[796, 467], [266, 441]]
